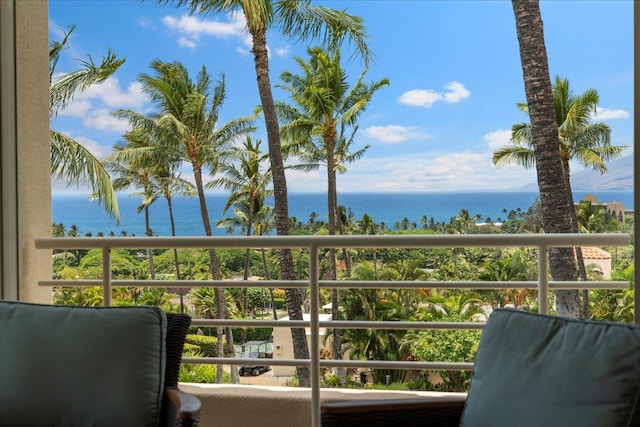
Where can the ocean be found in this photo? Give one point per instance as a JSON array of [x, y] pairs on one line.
[[89, 217]]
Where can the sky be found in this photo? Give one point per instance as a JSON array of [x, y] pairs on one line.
[[454, 70]]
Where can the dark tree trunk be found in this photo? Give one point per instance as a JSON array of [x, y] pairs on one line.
[[554, 200], [292, 296], [582, 271], [176, 261], [152, 268], [221, 306], [332, 197]]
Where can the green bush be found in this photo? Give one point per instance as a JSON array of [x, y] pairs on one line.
[[207, 346], [190, 349], [201, 374], [447, 346], [253, 334], [279, 303]]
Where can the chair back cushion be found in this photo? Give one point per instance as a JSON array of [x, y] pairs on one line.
[[538, 370], [78, 366]]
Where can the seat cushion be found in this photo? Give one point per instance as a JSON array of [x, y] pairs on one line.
[[77, 366], [537, 370]]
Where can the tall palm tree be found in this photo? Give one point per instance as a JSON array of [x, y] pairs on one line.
[[136, 173], [586, 142], [170, 184], [325, 104], [186, 126], [556, 209], [248, 184], [163, 178], [300, 20], [71, 161]]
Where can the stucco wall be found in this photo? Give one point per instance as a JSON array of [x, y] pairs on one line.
[[33, 161]]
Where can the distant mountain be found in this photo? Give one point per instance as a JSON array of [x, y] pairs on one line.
[[619, 176]]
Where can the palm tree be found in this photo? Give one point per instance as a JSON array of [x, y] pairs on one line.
[[367, 226], [163, 179], [71, 161], [588, 143], [169, 184], [591, 218], [186, 126], [248, 184], [137, 173], [325, 104], [556, 209], [301, 20]]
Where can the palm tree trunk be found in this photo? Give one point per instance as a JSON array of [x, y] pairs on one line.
[[582, 271], [332, 192], [266, 275], [221, 306], [281, 209], [247, 260], [152, 268], [176, 261], [556, 211]]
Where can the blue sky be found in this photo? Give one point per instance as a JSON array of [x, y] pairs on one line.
[[453, 66]]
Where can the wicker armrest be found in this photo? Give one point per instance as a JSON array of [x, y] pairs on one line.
[[393, 412], [187, 407]]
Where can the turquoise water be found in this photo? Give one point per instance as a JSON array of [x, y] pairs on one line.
[[89, 216]]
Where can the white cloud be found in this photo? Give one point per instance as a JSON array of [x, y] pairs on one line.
[[498, 138], [455, 92], [185, 42], [609, 113], [110, 94], [103, 120], [192, 28], [96, 104], [193, 25], [78, 108], [283, 51], [418, 172], [96, 149], [393, 134]]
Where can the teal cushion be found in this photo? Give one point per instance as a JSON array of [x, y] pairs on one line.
[[536, 370], [77, 366]]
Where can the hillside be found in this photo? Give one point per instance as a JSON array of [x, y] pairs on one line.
[[619, 176]]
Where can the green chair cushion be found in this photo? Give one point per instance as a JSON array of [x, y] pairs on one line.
[[537, 370], [77, 366]]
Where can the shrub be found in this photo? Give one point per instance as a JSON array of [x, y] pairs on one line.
[[201, 374], [207, 346], [252, 334], [279, 303], [447, 346], [190, 349]]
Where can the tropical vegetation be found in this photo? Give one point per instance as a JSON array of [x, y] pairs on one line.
[[316, 129]]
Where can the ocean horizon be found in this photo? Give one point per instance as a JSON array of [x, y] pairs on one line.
[[89, 216]]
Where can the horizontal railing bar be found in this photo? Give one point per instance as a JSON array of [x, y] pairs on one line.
[[460, 366], [338, 324], [340, 284], [301, 242], [448, 366]]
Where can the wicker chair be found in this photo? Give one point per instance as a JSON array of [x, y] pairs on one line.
[[179, 408], [78, 366], [531, 370], [393, 412]]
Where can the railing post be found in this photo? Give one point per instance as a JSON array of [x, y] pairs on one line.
[[106, 277], [314, 326], [543, 282]]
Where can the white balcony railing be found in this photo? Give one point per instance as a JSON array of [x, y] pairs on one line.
[[315, 243]]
